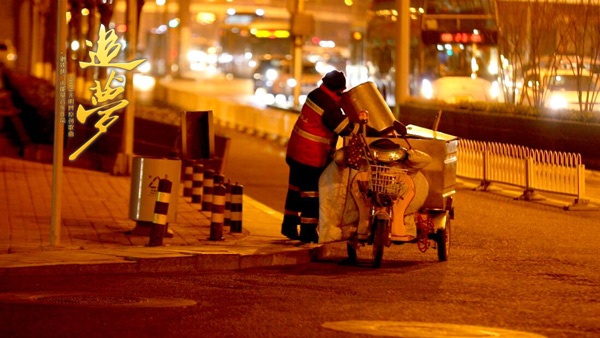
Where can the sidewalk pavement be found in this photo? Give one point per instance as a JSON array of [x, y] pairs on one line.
[[94, 239]]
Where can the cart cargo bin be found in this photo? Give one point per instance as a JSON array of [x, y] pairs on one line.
[[441, 172]]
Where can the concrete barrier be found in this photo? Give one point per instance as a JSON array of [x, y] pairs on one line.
[[262, 121]]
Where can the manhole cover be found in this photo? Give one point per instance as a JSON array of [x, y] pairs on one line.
[[423, 330], [89, 300]]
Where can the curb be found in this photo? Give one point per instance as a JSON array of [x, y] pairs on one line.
[[187, 263], [560, 201]]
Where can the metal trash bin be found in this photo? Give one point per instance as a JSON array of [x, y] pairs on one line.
[[367, 97], [146, 173]]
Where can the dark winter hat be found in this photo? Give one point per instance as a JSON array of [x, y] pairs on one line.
[[335, 80]]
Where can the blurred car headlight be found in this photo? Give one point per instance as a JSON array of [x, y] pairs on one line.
[[268, 99], [495, 90], [292, 83], [260, 91], [145, 67], [271, 74], [558, 101], [143, 83], [426, 89], [280, 99], [225, 58], [196, 56]]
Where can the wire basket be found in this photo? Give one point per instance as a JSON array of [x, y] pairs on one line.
[[386, 180]]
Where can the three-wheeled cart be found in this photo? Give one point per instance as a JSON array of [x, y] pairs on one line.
[[385, 188]]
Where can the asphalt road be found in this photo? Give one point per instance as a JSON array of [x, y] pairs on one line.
[[514, 265], [259, 165]]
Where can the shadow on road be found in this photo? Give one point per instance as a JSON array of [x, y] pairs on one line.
[[334, 267]]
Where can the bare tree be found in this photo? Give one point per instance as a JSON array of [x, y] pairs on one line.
[[543, 49], [537, 37], [593, 52], [511, 47], [529, 47], [580, 27]]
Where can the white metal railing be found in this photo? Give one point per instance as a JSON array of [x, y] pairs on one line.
[[532, 169]]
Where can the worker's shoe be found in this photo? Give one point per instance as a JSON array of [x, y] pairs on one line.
[[352, 255], [309, 234], [290, 231]]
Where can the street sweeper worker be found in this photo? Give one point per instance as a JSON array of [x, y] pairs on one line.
[[309, 151]]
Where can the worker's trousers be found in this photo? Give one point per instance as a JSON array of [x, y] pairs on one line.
[[302, 201]]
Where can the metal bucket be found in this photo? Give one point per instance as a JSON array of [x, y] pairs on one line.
[[366, 96]]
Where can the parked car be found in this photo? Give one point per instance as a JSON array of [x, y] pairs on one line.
[[8, 54], [564, 87], [457, 89], [274, 76]]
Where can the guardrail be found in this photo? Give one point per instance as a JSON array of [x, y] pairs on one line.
[[271, 122], [531, 169]]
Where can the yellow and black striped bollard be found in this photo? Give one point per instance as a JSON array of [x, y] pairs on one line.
[[227, 203], [188, 178], [207, 190], [197, 181], [237, 193], [218, 213], [161, 210]]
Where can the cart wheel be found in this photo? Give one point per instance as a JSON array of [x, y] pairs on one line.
[[381, 234], [443, 241]]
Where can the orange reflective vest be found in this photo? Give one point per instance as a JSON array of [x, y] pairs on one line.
[[311, 142]]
